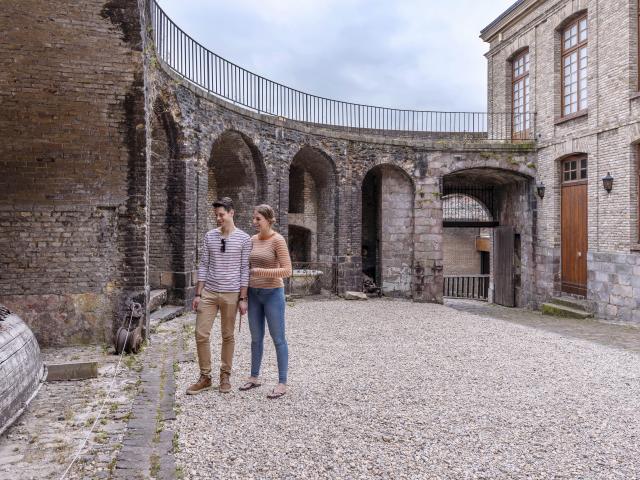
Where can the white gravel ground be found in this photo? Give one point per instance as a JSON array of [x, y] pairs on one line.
[[401, 390]]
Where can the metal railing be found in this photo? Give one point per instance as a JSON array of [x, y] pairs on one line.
[[466, 286], [200, 66]]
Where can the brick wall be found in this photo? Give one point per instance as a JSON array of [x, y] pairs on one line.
[[459, 250], [73, 166]]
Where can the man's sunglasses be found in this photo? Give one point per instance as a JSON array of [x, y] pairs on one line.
[[224, 245]]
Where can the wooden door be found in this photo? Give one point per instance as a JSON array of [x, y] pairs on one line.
[[574, 227], [503, 286]]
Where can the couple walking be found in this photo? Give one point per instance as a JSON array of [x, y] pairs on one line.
[[238, 272]]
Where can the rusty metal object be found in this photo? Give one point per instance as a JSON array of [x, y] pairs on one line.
[[127, 339]]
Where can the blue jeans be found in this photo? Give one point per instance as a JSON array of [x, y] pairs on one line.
[[268, 303]]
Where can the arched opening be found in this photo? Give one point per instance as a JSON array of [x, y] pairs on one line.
[[466, 242], [487, 235], [167, 203], [312, 207], [235, 170], [387, 229]]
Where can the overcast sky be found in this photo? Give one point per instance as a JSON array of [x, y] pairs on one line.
[[414, 54]]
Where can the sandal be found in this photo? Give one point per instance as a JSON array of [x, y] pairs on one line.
[[273, 394], [248, 385]]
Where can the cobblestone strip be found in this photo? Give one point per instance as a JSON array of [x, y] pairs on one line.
[[147, 449]]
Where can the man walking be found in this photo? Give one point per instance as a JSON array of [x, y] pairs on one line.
[[223, 278]]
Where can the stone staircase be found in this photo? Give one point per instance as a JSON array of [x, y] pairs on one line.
[[160, 311], [567, 307]]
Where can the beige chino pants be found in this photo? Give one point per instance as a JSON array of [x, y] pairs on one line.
[[210, 303]]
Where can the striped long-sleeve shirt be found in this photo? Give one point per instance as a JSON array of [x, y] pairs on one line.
[[270, 262], [226, 271]]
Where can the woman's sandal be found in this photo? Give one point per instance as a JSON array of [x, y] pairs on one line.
[[248, 385], [273, 394]]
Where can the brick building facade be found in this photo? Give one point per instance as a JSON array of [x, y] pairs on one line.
[[112, 158], [575, 64]]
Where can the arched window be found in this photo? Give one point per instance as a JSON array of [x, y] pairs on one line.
[[520, 95], [574, 66]]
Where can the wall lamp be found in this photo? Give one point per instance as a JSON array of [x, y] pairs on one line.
[[540, 189], [607, 182]]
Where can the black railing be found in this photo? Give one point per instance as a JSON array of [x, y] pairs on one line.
[[200, 66], [466, 286]]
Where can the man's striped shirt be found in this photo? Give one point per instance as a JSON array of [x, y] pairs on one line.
[[226, 271]]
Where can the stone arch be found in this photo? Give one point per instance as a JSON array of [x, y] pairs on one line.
[[387, 228], [312, 206], [167, 201], [236, 170], [468, 246], [465, 206]]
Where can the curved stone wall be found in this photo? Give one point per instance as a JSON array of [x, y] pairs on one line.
[[272, 144]]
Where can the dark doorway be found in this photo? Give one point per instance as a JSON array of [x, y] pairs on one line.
[[299, 244], [387, 229]]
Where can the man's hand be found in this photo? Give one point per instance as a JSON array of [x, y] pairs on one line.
[[243, 306], [196, 301]]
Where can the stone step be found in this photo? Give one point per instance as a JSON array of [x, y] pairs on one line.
[[157, 298], [571, 302], [564, 311], [165, 313]]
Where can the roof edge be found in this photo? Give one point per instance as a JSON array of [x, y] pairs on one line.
[[502, 16]]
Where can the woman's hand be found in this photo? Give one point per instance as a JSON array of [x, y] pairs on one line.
[[254, 271], [194, 304]]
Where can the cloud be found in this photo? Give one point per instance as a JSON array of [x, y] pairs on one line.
[[414, 54]]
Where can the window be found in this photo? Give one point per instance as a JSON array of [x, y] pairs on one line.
[[574, 67], [520, 95], [574, 169]]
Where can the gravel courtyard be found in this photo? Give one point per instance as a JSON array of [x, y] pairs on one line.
[[396, 389]]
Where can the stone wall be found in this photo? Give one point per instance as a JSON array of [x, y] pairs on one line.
[[607, 133], [73, 163], [341, 160]]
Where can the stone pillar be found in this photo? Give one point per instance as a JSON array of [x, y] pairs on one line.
[[428, 258]]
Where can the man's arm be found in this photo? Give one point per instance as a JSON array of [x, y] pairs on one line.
[[196, 299], [203, 270]]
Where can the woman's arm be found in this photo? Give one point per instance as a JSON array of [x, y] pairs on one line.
[[284, 260]]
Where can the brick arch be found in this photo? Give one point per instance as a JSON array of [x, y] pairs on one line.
[[563, 19], [312, 204], [236, 170], [387, 228], [167, 205]]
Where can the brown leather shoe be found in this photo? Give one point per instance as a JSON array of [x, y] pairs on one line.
[[225, 385], [203, 384]]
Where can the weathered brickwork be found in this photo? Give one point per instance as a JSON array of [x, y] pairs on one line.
[[332, 165], [105, 199], [606, 133], [73, 165]]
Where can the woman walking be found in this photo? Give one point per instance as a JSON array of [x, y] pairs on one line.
[[269, 263]]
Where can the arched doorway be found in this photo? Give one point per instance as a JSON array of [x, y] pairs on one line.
[[487, 228], [466, 241], [235, 170], [312, 214], [387, 229]]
